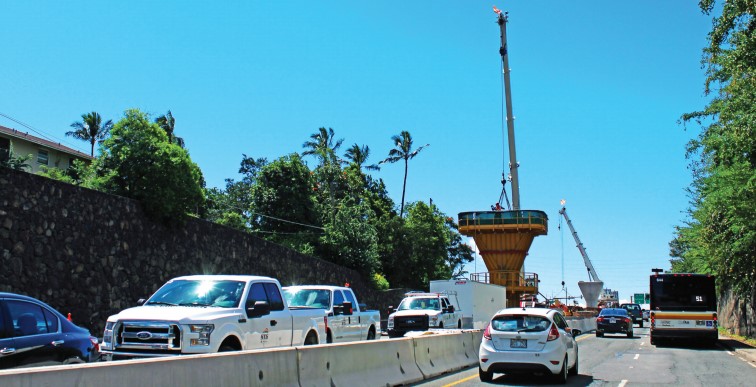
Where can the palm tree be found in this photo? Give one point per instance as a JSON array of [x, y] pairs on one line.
[[168, 123], [403, 151], [322, 145], [359, 155], [91, 129]]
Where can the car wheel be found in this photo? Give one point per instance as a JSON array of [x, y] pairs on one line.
[[459, 324], [561, 378], [440, 325], [574, 370], [226, 348], [485, 376], [393, 334], [640, 323], [371, 334], [630, 334], [73, 360], [599, 334]]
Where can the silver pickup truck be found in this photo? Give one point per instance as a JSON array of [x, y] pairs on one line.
[[347, 319]]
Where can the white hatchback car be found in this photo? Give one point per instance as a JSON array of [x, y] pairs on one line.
[[528, 340]]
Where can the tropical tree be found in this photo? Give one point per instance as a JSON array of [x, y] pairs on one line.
[[137, 161], [358, 157], [720, 235], [91, 129], [168, 123], [323, 145], [402, 151]]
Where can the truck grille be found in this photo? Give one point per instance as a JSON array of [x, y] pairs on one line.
[[411, 323], [148, 335]]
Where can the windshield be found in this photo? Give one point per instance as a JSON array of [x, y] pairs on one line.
[[520, 323], [420, 304], [613, 312], [224, 294], [309, 298]]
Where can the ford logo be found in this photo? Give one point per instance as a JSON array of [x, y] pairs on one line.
[[410, 321], [144, 335]]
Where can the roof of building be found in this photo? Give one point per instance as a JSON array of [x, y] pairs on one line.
[[41, 141]]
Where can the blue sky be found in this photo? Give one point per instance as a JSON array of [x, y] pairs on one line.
[[597, 88]]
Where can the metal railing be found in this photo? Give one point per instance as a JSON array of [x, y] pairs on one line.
[[478, 218], [510, 278]]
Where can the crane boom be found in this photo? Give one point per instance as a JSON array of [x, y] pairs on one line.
[[588, 265]]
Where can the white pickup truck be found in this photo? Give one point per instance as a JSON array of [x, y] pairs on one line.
[[421, 311], [211, 313], [347, 319]]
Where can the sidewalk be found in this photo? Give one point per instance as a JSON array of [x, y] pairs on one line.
[[740, 348]]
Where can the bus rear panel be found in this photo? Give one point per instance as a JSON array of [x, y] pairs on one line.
[[683, 306]]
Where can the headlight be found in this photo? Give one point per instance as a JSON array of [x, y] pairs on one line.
[[109, 325], [390, 323], [434, 319], [204, 331], [107, 337]]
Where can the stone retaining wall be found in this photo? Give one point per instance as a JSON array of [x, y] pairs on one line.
[[94, 254], [737, 315]]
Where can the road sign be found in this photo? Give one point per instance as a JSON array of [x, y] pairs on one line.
[[639, 298]]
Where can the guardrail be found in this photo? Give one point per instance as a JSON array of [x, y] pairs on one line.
[[380, 363]]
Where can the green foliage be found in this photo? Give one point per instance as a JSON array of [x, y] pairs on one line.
[[137, 161], [402, 151], [720, 236], [55, 174], [380, 282], [351, 241], [12, 161], [283, 204]]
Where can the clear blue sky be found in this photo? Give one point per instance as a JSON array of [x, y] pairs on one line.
[[597, 87]]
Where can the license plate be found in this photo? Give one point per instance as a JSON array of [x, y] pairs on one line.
[[518, 343], [612, 320]]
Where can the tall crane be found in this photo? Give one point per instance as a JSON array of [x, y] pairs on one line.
[[588, 265]]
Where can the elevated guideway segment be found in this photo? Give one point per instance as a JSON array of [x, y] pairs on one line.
[[503, 239]]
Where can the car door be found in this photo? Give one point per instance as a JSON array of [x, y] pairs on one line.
[[281, 324], [354, 328], [8, 353], [566, 337], [257, 329], [338, 322], [35, 340]]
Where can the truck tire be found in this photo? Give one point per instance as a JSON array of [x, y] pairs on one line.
[[459, 324], [371, 333], [311, 339]]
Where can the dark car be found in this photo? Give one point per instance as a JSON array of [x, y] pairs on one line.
[[614, 320], [635, 312], [32, 333]]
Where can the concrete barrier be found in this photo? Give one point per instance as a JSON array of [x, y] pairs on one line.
[[249, 368], [477, 337], [374, 363], [441, 353]]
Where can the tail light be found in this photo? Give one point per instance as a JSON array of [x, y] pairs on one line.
[[325, 321], [553, 333], [627, 320], [487, 332], [95, 343], [600, 319]]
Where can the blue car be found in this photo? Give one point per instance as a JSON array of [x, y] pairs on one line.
[[34, 334]]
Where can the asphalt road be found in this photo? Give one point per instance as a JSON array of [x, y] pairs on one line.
[[615, 360]]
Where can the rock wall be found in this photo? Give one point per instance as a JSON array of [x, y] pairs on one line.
[[94, 254], [737, 315]]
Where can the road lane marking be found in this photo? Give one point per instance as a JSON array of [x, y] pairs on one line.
[[643, 342], [637, 355], [622, 384], [730, 353], [467, 379]]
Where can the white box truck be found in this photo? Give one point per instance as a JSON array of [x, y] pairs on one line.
[[478, 301]]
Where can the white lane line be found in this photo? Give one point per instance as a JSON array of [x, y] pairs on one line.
[[622, 384], [637, 355], [643, 342], [730, 353]]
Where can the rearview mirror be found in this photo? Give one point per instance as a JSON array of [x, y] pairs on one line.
[[260, 308], [346, 308], [141, 301]]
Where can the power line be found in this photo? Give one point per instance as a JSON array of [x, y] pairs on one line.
[[47, 137], [230, 206]]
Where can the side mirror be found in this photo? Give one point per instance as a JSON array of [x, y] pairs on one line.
[[451, 308], [346, 308], [260, 308], [338, 310], [576, 333], [141, 301]]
